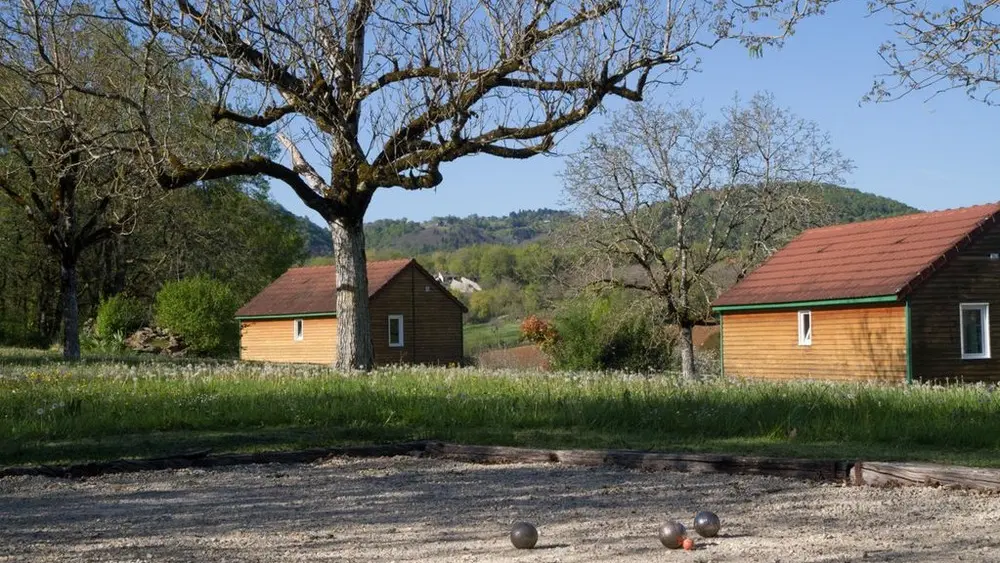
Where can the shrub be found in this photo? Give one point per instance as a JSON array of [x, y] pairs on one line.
[[503, 299], [119, 315], [200, 310], [15, 333], [606, 333], [539, 332], [479, 307], [111, 345]]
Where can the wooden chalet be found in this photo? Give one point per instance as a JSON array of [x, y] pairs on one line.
[[414, 319], [900, 299]]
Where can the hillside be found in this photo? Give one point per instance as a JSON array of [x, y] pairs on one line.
[[848, 205], [452, 233], [441, 233], [405, 237]]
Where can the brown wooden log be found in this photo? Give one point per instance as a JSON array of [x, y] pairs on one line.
[[489, 454], [925, 474], [822, 470]]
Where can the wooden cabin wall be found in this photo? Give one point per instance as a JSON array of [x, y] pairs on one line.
[[859, 343], [969, 277], [273, 340]]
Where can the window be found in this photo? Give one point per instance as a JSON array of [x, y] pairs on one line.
[[395, 331], [298, 329], [975, 330], [805, 328]]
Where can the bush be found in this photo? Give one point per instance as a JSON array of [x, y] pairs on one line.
[[200, 310], [539, 332], [111, 345], [480, 307], [119, 315], [606, 333], [504, 299], [15, 333]]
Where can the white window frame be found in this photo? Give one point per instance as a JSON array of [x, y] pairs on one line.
[[298, 329], [805, 337], [402, 340], [984, 309]]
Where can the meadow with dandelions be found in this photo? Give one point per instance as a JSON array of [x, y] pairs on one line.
[[52, 412]]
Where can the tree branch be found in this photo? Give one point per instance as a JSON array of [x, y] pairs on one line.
[[182, 176], [268, 117], [302, 167]]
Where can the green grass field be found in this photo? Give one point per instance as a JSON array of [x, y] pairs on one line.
[[58, 413], [487, 336]]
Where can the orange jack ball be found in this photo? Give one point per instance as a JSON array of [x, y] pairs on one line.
[[688, 544]]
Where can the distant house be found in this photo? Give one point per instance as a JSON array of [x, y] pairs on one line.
[[414, 319], [899, 299], [457, 283]]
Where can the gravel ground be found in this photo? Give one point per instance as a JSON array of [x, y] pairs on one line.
[[408, 509]]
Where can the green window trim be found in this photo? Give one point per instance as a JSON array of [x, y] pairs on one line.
[[722, 346], [799, 304], [909, 346]]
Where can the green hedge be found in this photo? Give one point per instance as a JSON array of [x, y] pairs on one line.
[[120, 315], [201, 311]]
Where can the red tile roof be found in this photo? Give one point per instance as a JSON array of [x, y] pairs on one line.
[[868, 259], [312, 289]]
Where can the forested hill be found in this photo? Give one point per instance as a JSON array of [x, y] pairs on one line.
[[452, 233], [848, 205], [410, 238], [318, 241], [406, 237]]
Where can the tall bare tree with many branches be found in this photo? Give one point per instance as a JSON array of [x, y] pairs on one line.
[[60, 161], [376, 94], [82, 103], [668, 198]]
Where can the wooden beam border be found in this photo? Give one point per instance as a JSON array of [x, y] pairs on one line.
[[826, 470]]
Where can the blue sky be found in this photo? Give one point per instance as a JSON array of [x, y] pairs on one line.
[[932, 153]]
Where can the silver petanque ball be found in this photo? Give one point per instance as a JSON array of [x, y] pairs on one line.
[[672, 534], [524, 535], [707, 524]]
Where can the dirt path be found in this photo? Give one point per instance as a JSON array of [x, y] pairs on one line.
[[406, 509]]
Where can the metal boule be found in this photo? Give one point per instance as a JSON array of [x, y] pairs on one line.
[[524, 535], [672, 534], [707, 524]]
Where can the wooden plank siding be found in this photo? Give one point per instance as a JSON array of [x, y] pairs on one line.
[[969, 277], [273, 340], [396, 298], [848, 343], [432, 321], [438, 323]]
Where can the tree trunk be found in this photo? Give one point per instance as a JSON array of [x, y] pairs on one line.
[[354, 332], [686, 345], [71, 308]]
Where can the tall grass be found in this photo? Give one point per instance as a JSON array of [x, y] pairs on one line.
[[63, 412]]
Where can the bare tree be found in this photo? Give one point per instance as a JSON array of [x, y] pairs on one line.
[[954, 46], [667, 197], [80, 104], [59, 162], [370, 95]]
